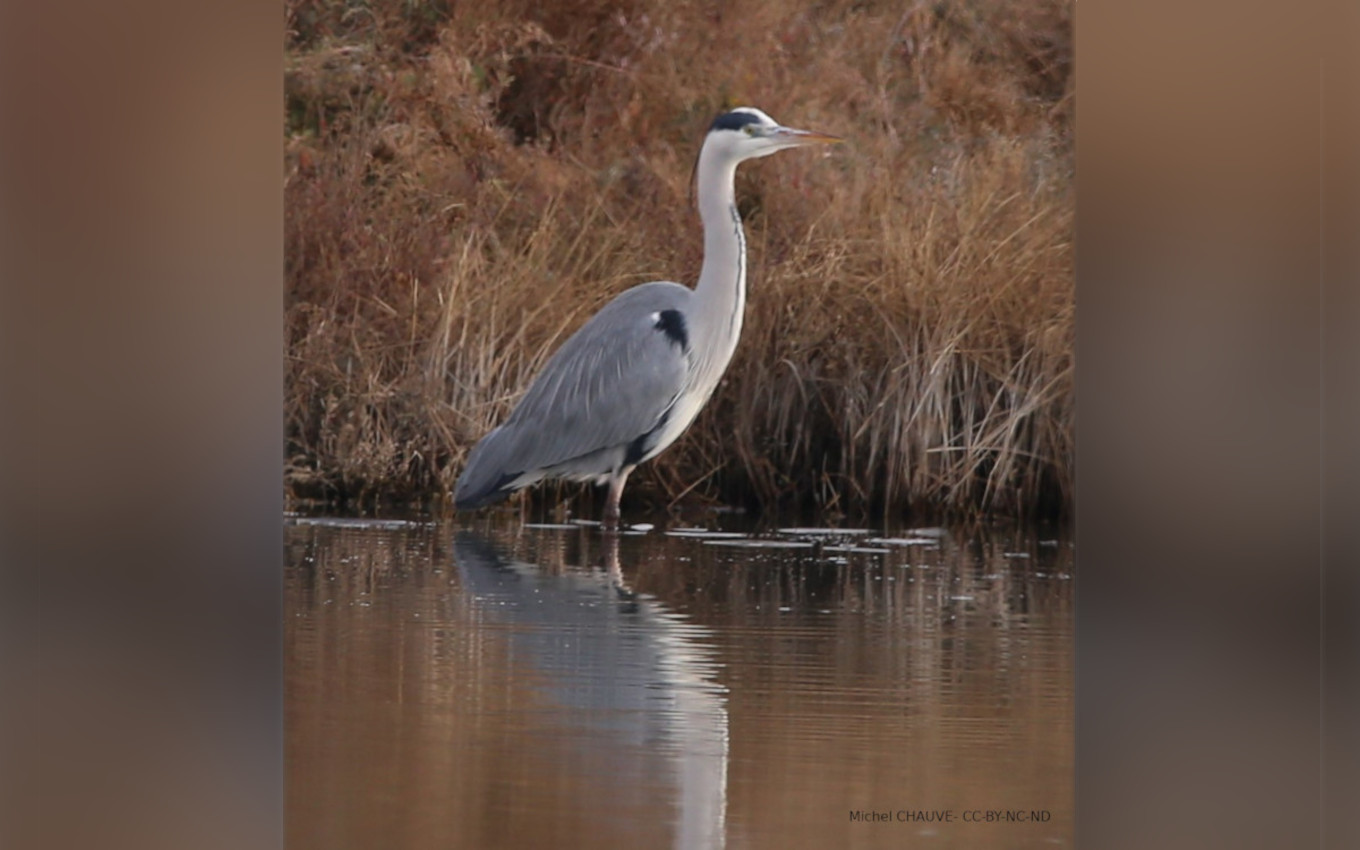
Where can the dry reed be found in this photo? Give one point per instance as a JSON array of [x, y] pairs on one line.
[[466, 184]]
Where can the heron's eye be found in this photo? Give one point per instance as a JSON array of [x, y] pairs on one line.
[[749, 129]]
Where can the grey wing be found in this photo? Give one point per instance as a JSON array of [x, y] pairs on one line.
[[594, 405]]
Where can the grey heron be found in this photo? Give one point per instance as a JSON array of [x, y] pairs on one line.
[[634, 377]]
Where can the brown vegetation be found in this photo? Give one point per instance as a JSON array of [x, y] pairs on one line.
[[467, 183]]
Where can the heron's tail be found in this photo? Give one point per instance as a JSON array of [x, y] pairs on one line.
[[486, 479]]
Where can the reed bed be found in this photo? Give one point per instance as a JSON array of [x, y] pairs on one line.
[[467, 183]]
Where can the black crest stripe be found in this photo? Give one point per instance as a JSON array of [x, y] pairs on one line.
[[734, 121]]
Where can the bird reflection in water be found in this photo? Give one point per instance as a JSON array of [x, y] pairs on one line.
[[617, 663]]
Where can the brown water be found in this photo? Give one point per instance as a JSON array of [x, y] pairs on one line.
[[534, 687]]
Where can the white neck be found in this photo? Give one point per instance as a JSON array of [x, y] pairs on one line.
[[720, 296]]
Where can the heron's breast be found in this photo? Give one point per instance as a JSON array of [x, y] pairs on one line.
[[682, 415], [686, 408]]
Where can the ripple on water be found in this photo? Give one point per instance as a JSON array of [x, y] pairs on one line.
[[863, 550], [761, 543], [359, 522], [904, 541]]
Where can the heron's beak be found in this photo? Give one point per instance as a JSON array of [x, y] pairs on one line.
[[793, 137]]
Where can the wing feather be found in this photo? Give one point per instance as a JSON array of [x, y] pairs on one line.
[[610, 383]]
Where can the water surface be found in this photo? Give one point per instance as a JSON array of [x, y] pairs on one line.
[[513, 686]]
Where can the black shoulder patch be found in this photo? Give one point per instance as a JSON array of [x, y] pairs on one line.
[[672, 324], [733, 121]]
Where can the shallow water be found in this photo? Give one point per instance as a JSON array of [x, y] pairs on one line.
[[511, 686]]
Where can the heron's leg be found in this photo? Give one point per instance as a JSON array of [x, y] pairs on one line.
[[611, 505]]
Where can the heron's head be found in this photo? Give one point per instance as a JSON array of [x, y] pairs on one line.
[[746, 133]]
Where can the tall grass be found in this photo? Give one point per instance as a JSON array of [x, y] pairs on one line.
[[467, 183]]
